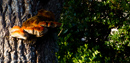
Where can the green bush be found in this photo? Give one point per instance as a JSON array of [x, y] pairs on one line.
[[120, 42], [93, 21], [86, 55]]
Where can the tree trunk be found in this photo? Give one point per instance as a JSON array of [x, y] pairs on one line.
[[13, 50]]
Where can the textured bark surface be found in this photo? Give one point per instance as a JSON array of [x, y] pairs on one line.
[[15, 12]]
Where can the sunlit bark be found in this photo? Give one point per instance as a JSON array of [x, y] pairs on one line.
[[15, 12]]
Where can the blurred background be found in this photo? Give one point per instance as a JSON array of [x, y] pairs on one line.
[[96, 31]]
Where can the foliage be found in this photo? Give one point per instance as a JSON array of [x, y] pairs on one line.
[[85, 35], [120, 39], [86, 55]]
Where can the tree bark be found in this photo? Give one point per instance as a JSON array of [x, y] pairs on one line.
[[13, 50]]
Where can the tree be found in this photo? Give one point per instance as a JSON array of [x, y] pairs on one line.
[[15, 12]]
